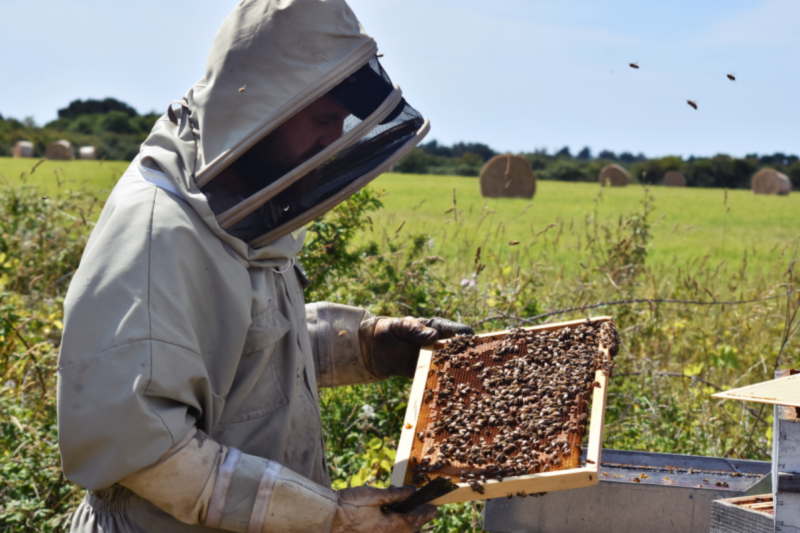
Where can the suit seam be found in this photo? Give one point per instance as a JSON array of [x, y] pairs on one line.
[[149, 317], [100, 354]]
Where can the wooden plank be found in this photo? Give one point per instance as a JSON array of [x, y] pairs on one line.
[[573, 478], [788, 482], [594, 448], [781, 391], [759, 506], [400, 469], [583, 476]]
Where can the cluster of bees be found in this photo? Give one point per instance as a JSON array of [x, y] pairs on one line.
[[511, 407]]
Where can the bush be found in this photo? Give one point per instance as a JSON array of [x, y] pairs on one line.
[[565, 170], [41, 245], [420, 162], [794, 175]]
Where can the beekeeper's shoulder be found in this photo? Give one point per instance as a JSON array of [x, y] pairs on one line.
[[146, 211]]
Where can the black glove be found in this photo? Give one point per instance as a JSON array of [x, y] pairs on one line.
[[446, 328], [390, 346]]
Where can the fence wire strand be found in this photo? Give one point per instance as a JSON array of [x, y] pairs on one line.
[[521, 320]]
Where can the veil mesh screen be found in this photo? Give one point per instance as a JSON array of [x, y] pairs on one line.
[[320, 184]]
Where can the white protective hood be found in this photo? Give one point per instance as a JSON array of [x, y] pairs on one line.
[[261, 71]]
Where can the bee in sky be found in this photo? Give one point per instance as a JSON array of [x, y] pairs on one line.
[[243, 89], [635, 64], [731, 77], [692, 103]]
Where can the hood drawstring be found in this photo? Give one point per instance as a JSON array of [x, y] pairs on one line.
[[289, 265]]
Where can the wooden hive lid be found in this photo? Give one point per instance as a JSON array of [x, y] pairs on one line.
[[781, 391]]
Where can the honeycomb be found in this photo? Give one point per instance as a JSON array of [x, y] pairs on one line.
[[509, 404]]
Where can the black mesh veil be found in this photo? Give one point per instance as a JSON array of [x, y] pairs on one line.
[[336, 177]]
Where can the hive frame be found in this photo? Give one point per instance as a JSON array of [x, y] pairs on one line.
[[571, 478]]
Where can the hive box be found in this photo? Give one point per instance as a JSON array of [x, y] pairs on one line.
[[681, 503]]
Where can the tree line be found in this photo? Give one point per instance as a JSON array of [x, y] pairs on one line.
[[114, 128], [721, 170]]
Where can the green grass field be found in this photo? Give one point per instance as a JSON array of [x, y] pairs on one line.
[[99, 176], [689, 223]]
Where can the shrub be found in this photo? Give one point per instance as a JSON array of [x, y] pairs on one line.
[[41, 241]]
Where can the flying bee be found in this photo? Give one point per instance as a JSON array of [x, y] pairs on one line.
[[731, 77], [692, 103], [243, 88]]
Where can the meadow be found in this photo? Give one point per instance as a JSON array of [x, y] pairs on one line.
[[687, 224], [96, 176], [400, 248]]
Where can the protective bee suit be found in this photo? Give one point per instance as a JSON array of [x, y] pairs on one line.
[[188, 373]]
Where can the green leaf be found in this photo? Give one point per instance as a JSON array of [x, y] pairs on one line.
[[693, 370]]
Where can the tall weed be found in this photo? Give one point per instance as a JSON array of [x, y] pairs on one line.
[[41, 241]]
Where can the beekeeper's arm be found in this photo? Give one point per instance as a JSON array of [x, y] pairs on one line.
[[200, 482], [351, 346], [133, 386]]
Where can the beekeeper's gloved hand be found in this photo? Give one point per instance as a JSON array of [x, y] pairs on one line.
[[390, 346], [359, 511]]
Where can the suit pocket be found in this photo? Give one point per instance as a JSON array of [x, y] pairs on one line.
[[266, 329], [257, 390]]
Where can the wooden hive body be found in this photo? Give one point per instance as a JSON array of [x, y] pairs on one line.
[[423, 412]]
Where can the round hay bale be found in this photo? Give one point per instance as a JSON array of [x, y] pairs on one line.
[[673, 178], [87, 152], [507, 176], [770, 181], [61, 150], [614, 175], [22, 149]]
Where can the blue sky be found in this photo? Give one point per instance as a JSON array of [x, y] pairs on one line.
[[517, 75]]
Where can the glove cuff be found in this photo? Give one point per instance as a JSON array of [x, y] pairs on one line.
[[366, 340]]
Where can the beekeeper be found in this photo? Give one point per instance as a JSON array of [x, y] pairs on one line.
[[189, 368]]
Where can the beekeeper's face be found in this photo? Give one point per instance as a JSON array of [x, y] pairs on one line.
[[303, 135]]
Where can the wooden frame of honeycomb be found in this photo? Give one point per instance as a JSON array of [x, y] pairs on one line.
[[418, 443]]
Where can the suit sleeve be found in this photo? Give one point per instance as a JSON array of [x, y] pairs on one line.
[[334, 341], [200, 482]]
